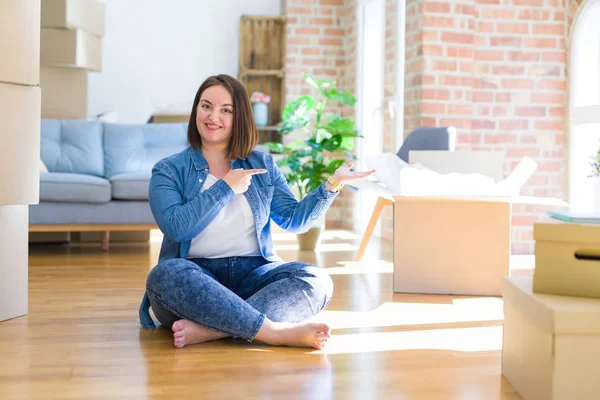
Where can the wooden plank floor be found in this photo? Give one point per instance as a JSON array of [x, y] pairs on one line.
[[81, 338]]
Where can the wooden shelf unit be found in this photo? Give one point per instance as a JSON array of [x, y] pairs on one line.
[[262, 65]]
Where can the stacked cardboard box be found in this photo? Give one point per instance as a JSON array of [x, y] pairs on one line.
[[551, 344], [567, 258], [552, 322], [19, 155], [71, 45]]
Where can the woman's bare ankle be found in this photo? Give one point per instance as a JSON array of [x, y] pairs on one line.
[[307, 334], [187, 332]]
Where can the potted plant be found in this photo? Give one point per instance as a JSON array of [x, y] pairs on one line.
[[328, 140], [595, 175]]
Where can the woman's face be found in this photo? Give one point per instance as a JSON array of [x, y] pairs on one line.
[[214, 115]]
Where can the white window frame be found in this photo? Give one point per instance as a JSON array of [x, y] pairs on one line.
[[358, 205], [579, 115], [398, 104]]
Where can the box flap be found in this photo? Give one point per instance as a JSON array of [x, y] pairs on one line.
[[558, 231], [557, 314], [380, 190], [544, 201], [459, 175], [449, 175], [375, 187], [444, 173]]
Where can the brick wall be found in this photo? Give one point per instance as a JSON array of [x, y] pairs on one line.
[[495, 69], [315, 42], [321, 41], [497, 72]]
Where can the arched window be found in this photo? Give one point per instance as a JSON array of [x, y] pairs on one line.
[[584, 104]]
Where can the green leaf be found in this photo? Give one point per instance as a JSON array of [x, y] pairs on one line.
[[298, 107], [292, 124], [274, 147], [312, 142], [320, 108], [322, 134], [319, 84], [345, 98], [282, 162], [345, 127], [297, 114], [334, 164], [301, 152], [305, 165], [347, 143], [296, 144], [332, 144]]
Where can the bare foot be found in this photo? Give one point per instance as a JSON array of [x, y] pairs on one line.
[[307, 334], [187, 332]]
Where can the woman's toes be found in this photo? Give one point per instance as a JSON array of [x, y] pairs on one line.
[[178, 325], [179, 333]]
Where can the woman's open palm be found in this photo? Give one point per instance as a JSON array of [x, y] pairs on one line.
[[344, 175]]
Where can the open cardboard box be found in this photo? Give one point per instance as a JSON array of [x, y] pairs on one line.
[[451, 241]]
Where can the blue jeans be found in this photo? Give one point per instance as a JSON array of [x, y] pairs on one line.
[[233, 295]]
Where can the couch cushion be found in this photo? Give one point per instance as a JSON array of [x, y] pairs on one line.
[[73, 188], [113, 212], [130, 148], [131, 185], [72, 146]]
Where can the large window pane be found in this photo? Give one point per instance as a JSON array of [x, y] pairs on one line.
[[585, 142], [371, 70], [585, 62]]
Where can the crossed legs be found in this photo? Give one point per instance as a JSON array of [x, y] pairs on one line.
[[269, 305]]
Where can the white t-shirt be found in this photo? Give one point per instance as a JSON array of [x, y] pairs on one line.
[[232, 232]]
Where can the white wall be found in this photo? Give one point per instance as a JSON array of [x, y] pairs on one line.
[[158, 52]]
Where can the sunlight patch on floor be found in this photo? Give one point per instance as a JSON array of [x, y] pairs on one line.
[[261, 350], [325, 247], [327, 235], [456, 339], [363, 267], [407, 314]]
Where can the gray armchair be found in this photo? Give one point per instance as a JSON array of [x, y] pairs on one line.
[[424, 138], [428, 139]]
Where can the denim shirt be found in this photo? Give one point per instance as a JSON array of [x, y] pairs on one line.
[[182, 211]]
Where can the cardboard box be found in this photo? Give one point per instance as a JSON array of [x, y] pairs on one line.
[[551, 344], [64, 93], [451, 246], [20, 42], [14, 253], [567, 258], [88, 15], [20, 137], [70, 48], [450, 239]]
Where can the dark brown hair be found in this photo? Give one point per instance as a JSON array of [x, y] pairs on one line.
[[244, 135]]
